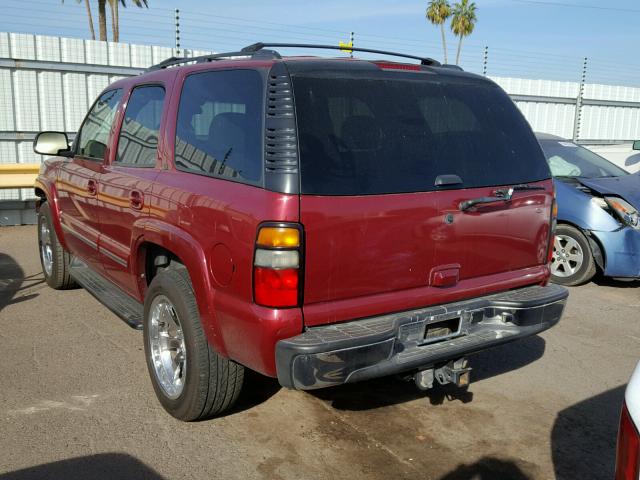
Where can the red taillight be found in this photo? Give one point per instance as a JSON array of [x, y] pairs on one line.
[[628, 451], [276, 266], [276, 288], [552, 228], [550, 252]]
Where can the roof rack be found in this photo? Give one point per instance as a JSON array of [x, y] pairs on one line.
[[169, 62], [258, 50], [257, 47]]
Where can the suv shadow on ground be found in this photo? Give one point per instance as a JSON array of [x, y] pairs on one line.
[[387, 391], [583, 438], [11, 281], [487, 468], [256, 389], [105, 466]]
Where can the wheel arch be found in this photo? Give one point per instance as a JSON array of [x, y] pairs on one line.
[[46, 191], [159, 243], [597, 249]]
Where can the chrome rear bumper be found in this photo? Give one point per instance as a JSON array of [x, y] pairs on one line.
[[389, 344]]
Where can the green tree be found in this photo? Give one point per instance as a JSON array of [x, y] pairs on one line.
[[463, 21], [438, 11]]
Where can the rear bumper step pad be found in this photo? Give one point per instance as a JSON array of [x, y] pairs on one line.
[[374, 347]]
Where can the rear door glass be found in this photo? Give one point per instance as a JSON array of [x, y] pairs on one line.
[[393, 134], [138, 142]]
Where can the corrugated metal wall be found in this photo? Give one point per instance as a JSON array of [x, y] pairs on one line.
[[609, 112], [48, 83]]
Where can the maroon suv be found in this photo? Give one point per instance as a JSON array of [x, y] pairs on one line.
[[320, 220]]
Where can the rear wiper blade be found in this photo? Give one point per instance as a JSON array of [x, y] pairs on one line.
[[501, 195], [508, 192], [526, 186], [467, 204]]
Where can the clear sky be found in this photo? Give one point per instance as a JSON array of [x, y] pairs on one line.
[[530, 38]]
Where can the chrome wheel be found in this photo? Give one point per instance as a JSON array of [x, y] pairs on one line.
[[46, 249], [567, 258], [167, 347]]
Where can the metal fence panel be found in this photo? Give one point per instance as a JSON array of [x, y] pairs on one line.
[[615, 123], [540, 88], [48, 83], [554, 118]]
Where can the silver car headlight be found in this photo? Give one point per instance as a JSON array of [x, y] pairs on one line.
[[626, 213]]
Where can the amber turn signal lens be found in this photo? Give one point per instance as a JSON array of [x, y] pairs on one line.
[[278, 237]]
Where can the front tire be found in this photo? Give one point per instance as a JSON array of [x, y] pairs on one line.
[[572, 262], [191, 381], [53, 258]]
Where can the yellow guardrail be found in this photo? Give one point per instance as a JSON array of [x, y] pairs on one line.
[[18, 175]]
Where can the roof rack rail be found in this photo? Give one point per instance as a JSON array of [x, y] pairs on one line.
[[258, 50], [257, 47], [169, 62]]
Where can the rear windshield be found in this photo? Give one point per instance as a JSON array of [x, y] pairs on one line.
[[396, 132]]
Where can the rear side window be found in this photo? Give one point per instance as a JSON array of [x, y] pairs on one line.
[[94, 134], [219, 127], [391, 133], [138, 142]]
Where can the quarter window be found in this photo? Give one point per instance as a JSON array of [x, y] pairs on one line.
[[219, 127], [138, 142], [94, 133]]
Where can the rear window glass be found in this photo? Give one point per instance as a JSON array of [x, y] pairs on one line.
[[219, 128], [396, 134]]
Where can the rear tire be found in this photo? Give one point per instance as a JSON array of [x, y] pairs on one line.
[[53, 258], [572, 262], [191, 381]]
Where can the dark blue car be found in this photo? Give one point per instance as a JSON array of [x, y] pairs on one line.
[[598, 223]]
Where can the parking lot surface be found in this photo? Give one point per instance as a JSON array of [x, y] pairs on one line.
[[76, 401]]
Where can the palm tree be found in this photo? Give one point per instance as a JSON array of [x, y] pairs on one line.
[[437, 12], [463, 21], [102, 19], [115, 15], [115, 20], [89, 17]]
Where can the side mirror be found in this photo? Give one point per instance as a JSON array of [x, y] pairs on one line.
[[636, 145], [52, 143]]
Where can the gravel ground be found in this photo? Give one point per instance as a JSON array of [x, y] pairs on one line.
[[76, 401]]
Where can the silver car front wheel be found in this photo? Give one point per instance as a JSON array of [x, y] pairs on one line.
[[568, 256], [572, 262]]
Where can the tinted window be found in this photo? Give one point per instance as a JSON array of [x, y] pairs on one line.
[[94, 133], [219, 129], [391, 133], [138, 142], [566, 159]]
